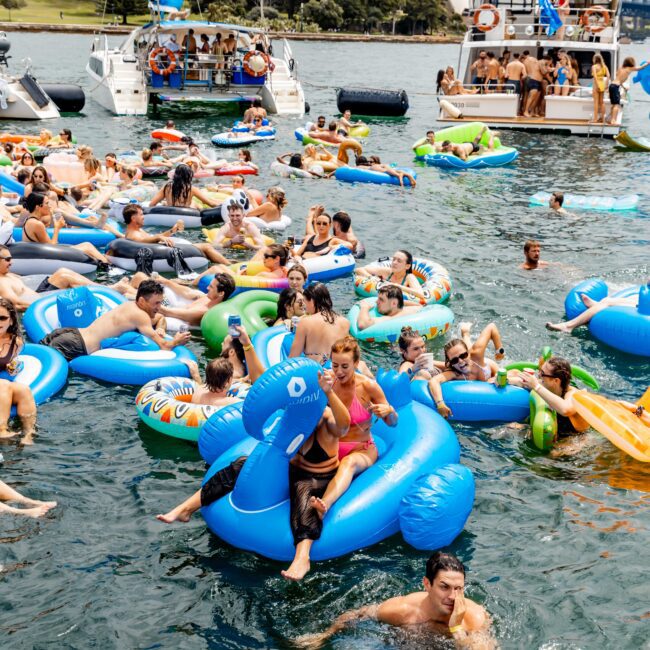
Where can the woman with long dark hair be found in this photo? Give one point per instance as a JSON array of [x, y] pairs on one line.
[[179, 192], [13, 393]]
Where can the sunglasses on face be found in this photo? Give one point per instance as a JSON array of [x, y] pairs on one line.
[[460, 357], [4, 318], [6, 259], [268, 256], [541, 373]]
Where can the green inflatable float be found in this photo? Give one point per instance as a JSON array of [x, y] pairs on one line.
[[254, 307], [543, 419]]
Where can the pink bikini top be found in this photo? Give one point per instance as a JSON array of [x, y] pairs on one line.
[[358, 414]]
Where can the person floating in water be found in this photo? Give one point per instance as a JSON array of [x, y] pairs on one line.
[[440, 608]]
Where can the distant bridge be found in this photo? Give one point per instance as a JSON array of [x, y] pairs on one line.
[[636, 8]]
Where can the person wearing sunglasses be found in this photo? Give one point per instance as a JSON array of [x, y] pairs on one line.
[[13, 393], [321, 242], [465, 360], [552, 383]]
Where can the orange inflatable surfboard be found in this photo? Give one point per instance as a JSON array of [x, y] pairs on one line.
[[621, 427]]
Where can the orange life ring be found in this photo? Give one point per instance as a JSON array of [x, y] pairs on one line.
[[153, 60], [269, 65], [495, 18], [596, 10]]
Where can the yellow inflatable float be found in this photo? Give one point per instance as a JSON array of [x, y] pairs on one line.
[[211, 234], [619, 424]]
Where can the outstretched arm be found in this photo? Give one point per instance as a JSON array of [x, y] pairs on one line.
[[348, 618]]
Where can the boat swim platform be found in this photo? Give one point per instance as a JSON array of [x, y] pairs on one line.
[[520, 123]]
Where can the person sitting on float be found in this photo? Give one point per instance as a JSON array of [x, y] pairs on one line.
[[322, 242], [316, 155], [180, 193], [14, 393], [552, 383], [297, 161], [238, 231], [465, 360], [417, 363], [374, 163], [390, 304], [320, 328], [364, 398], [399, 274], [271, 209]]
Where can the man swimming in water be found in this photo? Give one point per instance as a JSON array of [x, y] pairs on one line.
[[390, 304], [556, 201], [73, 342], [466, 149], [532, 252], [440, 608]]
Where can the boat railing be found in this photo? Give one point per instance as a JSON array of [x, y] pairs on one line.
[[576, 27], [292, 65], [577, 91]]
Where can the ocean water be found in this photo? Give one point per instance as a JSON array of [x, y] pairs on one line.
[[555, 549]]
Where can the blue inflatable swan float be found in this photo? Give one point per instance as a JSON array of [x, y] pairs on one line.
[[416, 486]]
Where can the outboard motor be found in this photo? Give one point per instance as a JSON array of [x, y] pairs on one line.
[[5, 46]]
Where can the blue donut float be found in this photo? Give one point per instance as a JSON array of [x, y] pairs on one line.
[[417, 486], [72, 236], [477, 401], [44, 370], [130, 359], [272, 345], [430, 321], [240, 139], [242, 127], [626, 328], [366, 175]]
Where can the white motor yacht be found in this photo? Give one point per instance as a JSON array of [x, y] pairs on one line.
[[515, 26], [21, 97], [152, 68]]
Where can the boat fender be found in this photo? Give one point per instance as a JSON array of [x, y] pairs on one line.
[[450, 109], [434, 511]]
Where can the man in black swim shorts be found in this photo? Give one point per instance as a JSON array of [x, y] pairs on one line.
[[68, 341]]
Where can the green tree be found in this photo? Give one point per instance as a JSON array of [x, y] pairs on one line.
[[12, 4], [123, 8], [226, 10], [326, 13]]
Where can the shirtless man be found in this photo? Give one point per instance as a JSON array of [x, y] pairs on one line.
[[629, 66], [331, 135], [319, 125], [134, 219], [532, 251], [479, 70], [390, 304], [74, 342], [515, 74], [14, 289], [342, 230], [256, 110], [230, 45], [556, 201], [441, 608], [465, 149], [237, 230], [492, 76], [220, 289], [431, 139], [533, 82], [546, 68], [320, 328]]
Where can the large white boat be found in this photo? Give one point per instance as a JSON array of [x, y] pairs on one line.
[[516, 26], [21, 97], [152, 68]]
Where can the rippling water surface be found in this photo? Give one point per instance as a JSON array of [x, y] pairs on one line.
[[556, 549]]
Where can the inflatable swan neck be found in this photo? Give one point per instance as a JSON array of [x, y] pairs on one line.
[[292, 387]]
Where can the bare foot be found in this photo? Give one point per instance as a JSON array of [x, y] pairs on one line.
[[27, 440], [318, 505], [34, 502], [297, 571], [465, 328], [589, 302], [121, 286], [179, 513], [559, 327], [36, 512], [5, 433]]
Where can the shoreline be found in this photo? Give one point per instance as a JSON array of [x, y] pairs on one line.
[[70, 28]]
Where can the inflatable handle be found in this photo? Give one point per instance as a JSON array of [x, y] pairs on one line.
[[577, 372], [543, 423], [644, 299], [396, 387], [293, 386]]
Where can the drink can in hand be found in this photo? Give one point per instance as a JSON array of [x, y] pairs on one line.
[[502, 378], [234, 320]]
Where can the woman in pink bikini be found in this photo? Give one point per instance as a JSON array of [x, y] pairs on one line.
[[363, 398]]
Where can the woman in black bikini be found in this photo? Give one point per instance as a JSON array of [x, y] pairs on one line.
[[179, 192], [13, 393], [322, 242]]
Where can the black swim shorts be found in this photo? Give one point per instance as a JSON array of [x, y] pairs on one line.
[[68, 341], [533, 84], [45, 286], [514, 85], [614, 94]]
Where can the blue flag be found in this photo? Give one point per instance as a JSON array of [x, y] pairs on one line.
[[549, 17]]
